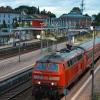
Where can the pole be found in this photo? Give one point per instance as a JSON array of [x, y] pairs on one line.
[[56, 35], [20, 38], [92, 70], [41, 38], [19, 44]]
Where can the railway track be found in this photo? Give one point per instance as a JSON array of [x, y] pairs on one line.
[[13, 51], [24, 91], [14, 92]]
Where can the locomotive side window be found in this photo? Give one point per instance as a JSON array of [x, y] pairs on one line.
[[79, 57], [41, 66], [68, 63], [90, 54], [53, 67]]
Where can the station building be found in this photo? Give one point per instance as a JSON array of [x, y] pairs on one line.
[[74, 20], [7, 14]]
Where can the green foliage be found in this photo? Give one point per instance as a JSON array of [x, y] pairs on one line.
[[27, 9], [34, 10], [15, 23], [76, 9], [96, 22], [49, 14]]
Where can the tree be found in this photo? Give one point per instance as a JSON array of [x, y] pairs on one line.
[[76, 9], [34, 10], [38, 10], [43, 12], [27, 9], [86, 15], [96, 21], [15, 23], [49, 14]]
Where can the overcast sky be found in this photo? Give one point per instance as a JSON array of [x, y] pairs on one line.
[[56, 6]]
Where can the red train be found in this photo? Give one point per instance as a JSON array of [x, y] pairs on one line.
[[53, 73]]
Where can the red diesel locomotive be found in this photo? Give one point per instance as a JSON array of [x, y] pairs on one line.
[[53, 73]]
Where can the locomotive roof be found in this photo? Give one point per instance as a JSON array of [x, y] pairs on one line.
[[63, 56]]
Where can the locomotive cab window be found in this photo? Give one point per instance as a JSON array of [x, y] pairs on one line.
[[52, 67], [41, 66]]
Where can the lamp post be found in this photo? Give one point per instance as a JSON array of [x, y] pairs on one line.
[[92, 69], [19, 50], [19, 44], [41, 35], [56, 36]]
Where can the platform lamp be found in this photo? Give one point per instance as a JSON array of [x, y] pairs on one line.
[[92, 68], [19, 49], [41, 35], [39, 38]]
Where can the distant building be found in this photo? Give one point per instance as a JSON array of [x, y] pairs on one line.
[[8, 15], [74, 20], [34, 24]]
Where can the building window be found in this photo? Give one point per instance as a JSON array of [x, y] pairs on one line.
[[4, 15], [8, 21], [8, 15]]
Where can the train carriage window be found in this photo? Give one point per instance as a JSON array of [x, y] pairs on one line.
[[53, 67], [70, 63], [90, 54], [41, 66], [96, 49], [73, 61]]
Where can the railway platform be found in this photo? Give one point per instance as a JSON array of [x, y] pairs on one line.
[[85, 92]]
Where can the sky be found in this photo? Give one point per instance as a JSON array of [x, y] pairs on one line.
[[57, 7]]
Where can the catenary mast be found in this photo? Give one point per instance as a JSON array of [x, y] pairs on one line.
[[82, 6]]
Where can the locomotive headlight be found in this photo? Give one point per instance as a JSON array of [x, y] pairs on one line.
[[54, 78], [52, 83], [39, 82]]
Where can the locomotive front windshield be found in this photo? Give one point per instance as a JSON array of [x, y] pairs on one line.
[[47, 66], [41, 66], [53, 67]]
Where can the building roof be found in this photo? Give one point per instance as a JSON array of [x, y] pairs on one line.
[[75, 14], [8, 10]]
